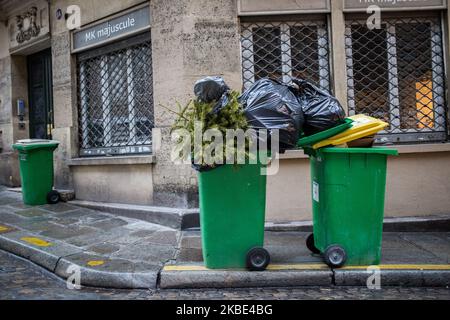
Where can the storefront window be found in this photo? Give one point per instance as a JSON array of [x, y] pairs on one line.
[[115, 98], [396, 73], [285, 50]]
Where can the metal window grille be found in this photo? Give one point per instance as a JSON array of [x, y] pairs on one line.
[[396, 73], [116, 98], [285, 50]]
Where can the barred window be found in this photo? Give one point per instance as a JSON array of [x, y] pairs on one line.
[[396, 73], [115, 98], [285, 50]]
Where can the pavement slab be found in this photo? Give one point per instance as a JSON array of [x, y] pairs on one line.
[[8, 217], [109, 251], [109, 224], [147, 252], [398, 250], [59, 207], [437, 243], [7, 200], [32, 212]]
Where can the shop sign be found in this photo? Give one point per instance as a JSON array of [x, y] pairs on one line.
[[267, 7], [112, 29], [394, 5]]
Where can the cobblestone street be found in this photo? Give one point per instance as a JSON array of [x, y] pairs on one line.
[[20, 279]]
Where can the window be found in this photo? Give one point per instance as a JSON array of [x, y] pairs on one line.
[[396, 73], [115, 98], [285, 50]]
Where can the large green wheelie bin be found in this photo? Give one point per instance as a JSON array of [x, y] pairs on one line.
[[348, 192], [232, 215], [36, 171]]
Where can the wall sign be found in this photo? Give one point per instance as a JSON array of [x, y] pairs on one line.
[[266, 7], [394, 5], [112, 29]]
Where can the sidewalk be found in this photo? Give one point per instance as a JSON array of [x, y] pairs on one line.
[[119, 252]]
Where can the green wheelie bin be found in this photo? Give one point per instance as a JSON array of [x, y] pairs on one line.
[[232, 216], [36, 171], [348, 192]]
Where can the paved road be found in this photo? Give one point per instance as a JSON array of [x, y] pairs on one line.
[[20, 279]]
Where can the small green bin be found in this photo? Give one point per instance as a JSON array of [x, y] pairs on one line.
[[232, 214], [36, 169], [348, 192]]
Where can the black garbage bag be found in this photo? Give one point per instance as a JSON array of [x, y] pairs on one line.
[[270, 105], [321, 110], [211, 89]]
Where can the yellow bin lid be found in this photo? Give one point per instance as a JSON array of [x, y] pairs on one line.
[[362, 126]]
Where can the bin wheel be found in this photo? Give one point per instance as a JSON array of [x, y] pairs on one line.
[[335, 256], [258, 259], [53, 197], [310, 244]]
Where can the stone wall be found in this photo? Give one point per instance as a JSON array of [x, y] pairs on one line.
[[190, 40], [13, 86]]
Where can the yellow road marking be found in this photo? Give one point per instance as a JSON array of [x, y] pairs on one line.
[[3, 228], [299, 266], [272, 267], [185, 268], [36, 241], [95, 263], [281, 267]]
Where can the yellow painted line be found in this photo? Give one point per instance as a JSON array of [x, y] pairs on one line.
[[36, 241], [299, 266], [402, 267], [281, 267], [4, 229], [95, 263], [185, 268], [272, 267]]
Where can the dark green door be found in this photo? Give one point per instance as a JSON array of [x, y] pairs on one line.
[[40, 94]]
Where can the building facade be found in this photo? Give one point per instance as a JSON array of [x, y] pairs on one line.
[[103, 90]]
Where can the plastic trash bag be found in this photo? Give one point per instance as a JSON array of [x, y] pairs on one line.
[[211, 89], [321, 110], [271, 105]]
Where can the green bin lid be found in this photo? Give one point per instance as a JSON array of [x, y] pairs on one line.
[[31, 144], [376, 150], [315, 138]]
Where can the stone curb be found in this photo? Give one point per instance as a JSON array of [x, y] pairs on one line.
[[191, 279], [402, 278], [102, 279], [89, 277], [244, 279]]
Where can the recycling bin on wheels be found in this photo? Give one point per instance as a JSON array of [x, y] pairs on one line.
[[348, 192], [232, 215], [36, 171]]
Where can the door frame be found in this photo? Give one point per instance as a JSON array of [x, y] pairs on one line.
[[48, 92]]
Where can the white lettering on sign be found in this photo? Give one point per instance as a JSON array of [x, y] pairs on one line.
[[111, 29], [90, 35]]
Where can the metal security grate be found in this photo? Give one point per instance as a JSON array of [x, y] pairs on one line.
[[396, 73], [285, 50], [116, 99]]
